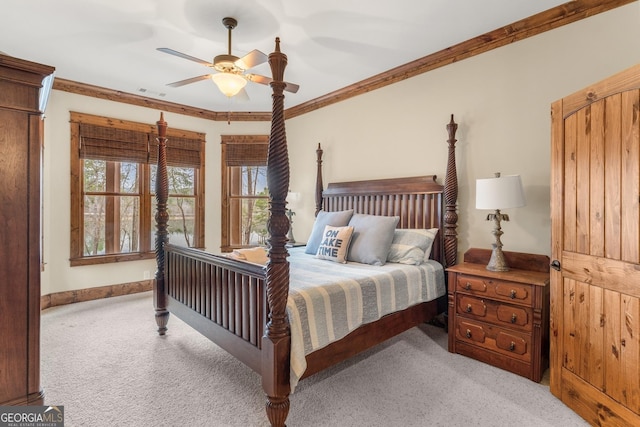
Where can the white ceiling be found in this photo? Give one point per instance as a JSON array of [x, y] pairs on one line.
[[330, 44]]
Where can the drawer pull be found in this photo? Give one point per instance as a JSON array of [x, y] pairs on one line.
[[514, 318], [467, 286], [513, 293], [468, 333], [512, 346], [468, 308]]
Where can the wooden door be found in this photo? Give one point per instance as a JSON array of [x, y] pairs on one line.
[[595, 283]]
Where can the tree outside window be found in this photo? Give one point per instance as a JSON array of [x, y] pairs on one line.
[[245, 196], [113, 181]]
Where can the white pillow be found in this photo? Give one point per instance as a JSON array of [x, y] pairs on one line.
[[335, 243], [427, 253], [410, 245]]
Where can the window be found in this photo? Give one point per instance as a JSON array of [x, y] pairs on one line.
[[112, 189], [245, 197]]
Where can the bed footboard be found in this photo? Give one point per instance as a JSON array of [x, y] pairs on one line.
[[222, 298]]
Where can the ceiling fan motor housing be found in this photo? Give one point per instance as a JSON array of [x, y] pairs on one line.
[[229, 23], [226, 64]]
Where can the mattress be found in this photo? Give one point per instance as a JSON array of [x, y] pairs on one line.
[[328, 300]]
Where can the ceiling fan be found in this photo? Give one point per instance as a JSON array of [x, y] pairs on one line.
[[231, 76]]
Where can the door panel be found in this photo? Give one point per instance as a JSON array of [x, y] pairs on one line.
[[596, 182], [630, 351], [595, 296], [595, 371], [613, 385], [569, 185], [611, 146], [630, 177]]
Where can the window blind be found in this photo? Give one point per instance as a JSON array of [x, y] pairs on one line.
[[181, 152], [122, 145], [244, 154], [112, 144]]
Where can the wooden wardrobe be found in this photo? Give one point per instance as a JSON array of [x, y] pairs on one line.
[[595, 280], [21, 106]]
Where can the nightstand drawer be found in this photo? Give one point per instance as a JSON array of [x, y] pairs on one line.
[[494, 338], [502, 314], [497, 289]]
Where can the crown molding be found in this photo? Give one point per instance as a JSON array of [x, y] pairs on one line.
[[556, 17]]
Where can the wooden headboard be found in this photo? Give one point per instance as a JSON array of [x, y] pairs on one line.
[[418, 201]]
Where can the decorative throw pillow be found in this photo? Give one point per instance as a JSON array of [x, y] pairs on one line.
[[335, 243], [410, 245], [372, 237], [336, 219]]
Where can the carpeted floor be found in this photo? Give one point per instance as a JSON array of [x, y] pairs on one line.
[[103, 361]]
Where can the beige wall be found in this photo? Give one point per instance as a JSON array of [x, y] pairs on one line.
[[58, 275], [501, 102]]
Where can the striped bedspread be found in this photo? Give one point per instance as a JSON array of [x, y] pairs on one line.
[[328, 300]]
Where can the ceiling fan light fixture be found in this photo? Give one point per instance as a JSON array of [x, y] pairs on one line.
[[228, 83], [230, 77]]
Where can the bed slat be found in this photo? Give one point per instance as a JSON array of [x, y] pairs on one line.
[[229, 302]]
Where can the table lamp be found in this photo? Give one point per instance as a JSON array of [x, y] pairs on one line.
[[499, 193], [293, 199]]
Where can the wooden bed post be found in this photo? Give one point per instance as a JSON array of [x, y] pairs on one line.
[[450, 199], [319, 185], [276, 342], [162, 220]]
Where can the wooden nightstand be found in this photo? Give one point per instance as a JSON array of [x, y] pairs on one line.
[[501, 318]]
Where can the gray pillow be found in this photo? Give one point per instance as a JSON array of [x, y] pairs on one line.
[[335, 219], [372, 237]]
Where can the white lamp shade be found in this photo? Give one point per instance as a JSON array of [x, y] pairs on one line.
[[499, 193], [293, 199], [228, 83]]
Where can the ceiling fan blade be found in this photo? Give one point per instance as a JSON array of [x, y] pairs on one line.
[[189, 81], [251, 59], [257, 78], [185, 56], [264, 80], [291, 87]]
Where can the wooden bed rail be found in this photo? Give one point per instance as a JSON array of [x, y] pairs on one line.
[[237, 288]]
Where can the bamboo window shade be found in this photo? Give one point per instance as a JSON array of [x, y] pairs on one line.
[[123, 145], [181, 152], [246, 154]]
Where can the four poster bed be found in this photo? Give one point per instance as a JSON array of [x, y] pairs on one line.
[[247, 308]]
